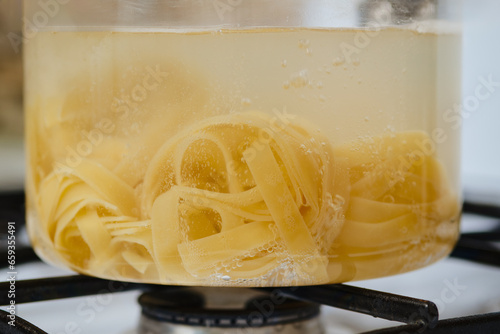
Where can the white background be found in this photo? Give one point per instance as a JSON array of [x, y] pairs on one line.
[[481, 131]]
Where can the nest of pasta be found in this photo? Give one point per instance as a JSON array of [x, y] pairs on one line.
[[250, 199], [238, 197]]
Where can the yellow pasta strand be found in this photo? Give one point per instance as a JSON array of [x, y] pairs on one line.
[[400, 229], [166, 233], [370, 211], [94, 233], [141, 257], [285, 213], [108, 185], [204, 253], [255, 267]]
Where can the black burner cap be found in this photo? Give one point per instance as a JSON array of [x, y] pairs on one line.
[[187, 307]]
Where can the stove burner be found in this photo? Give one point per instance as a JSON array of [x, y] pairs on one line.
[[212, 310]]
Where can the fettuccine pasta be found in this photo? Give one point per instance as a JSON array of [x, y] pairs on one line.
[[236, 200]]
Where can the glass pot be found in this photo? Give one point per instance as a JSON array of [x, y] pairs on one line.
[[242, 143]]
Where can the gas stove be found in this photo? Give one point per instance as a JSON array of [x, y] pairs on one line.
[[462, 288], [459, 294]]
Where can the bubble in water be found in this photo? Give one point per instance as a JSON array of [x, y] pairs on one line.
[[300, 79], [338, 61], [356, 62], [339, 200], [303, 43], [390, 128], [319, 84], [367, 119], [226, 278], [388, 199], [246, 102], [284, 63], [322, 98], [286, 84], [309, 52]]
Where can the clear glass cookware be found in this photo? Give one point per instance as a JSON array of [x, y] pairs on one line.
[[242, 143]]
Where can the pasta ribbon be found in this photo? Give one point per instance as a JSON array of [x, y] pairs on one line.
[[81, 208], [221, 247], [399, 193], [210, 195], [293, 230]]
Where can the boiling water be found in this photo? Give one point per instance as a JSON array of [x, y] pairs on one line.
[[236, 157]]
